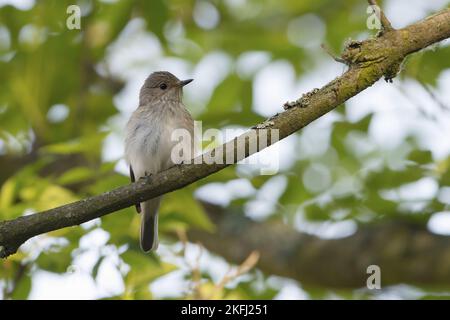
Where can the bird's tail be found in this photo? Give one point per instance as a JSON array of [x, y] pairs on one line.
[[149, 224]]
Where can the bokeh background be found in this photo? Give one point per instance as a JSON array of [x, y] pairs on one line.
[[65, 97]]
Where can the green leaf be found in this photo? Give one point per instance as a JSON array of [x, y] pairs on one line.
[[108, 182], [421, 156], [75, 175], [122, 226], [53, 196], [57, 260], [295, 192], [182, 205], [445, 178], [314, 212], [7, 194], [14, 211], [427, 65], [387, 178], [23, 288], [155, 13], [144, 269], [90, 145], [226, 94], [380, 206]]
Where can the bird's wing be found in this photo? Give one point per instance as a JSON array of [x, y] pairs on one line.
[[133, 179]]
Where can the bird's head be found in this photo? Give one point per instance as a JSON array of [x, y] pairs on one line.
[[162, 85]]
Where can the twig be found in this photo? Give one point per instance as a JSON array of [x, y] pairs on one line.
[[434, 96], [197, 275], [20, 273], [244, 267], [332, 55], [419, 107], [248, 264], [385, 23]]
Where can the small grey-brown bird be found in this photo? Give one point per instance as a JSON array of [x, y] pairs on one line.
[[149, 143]]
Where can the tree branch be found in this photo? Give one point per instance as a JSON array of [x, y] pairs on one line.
[[405, 252], [368, 61]]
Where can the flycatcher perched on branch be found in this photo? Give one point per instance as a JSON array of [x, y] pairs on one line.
[[149, 143]]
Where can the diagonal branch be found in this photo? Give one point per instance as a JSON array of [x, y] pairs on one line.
[[368, 61]]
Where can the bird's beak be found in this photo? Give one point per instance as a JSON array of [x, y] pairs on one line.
[[185, 82]]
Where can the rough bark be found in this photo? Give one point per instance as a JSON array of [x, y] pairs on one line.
[[405, 252], [368, 61]]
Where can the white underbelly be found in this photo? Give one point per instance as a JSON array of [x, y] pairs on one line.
[[149, 149]]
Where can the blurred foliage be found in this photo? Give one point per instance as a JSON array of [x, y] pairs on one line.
[[47, 160]]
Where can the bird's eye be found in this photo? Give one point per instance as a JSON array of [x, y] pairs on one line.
[[163, 86]]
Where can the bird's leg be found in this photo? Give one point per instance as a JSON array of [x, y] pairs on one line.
[[138, 205], [146, 174]]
